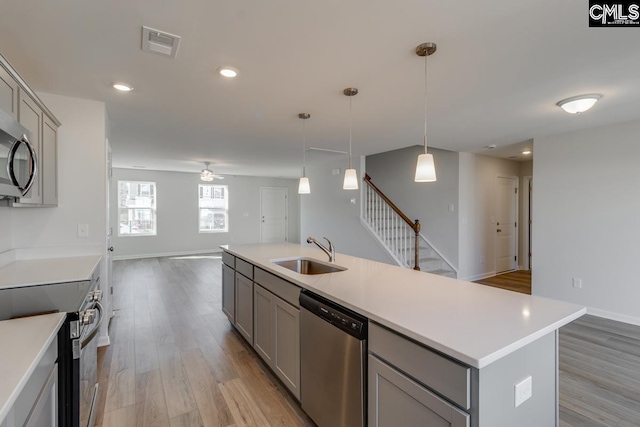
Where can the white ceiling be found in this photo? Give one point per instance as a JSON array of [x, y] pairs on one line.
[[500, 68]]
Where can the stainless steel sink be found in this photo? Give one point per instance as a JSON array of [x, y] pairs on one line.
[[305, 265]]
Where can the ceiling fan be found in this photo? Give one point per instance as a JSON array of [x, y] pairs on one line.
[[207, 175]]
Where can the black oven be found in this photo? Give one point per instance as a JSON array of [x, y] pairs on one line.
[[18, 160]]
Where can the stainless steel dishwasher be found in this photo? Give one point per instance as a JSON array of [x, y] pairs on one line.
[[333, 371]]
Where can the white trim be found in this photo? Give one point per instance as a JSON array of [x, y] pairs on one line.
[[103, 341], [166, 254], [517, 230], [480, 276], [613, 316], [525, 216], [455, 270], [373, 234]]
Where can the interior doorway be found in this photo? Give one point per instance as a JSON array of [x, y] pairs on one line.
[[506, 232], [273, 214]]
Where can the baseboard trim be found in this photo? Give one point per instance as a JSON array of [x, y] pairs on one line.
[[166, 254], [614, 316], [478, 276]]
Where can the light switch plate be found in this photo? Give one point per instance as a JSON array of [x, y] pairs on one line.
[[523, 391], [577, 283], [83, 230]]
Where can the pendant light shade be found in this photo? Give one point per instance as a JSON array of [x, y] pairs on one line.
[[350, 175], [303, 185], [425, 167]]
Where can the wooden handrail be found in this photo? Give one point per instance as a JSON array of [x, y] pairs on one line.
[[414, 225]]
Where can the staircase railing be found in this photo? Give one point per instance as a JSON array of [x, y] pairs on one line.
[[400, 234]]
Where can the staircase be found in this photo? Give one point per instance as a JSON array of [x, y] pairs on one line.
[[400, 236]]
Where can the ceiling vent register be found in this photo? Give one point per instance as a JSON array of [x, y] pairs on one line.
[[159, 42]]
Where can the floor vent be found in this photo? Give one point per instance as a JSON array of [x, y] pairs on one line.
[[159, 42]]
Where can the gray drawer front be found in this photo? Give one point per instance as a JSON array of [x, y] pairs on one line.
[[285, 290], [244, 268], [229, 259], [451, 379]]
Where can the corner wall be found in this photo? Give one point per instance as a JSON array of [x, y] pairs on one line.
[[585, 219], [5, 229], [177, 210]]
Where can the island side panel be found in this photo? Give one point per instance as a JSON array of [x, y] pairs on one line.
[[497, 387]]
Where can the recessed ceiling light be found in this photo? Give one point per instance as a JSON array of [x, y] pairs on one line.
[[490, 147], [228, 71], [123, 87], [579, 104], [526, 152]]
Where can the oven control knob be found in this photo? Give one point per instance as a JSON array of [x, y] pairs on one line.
[[88, 316]]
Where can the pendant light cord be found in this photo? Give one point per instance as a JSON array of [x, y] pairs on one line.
[[304, 147], [425, 103], [350, 120]]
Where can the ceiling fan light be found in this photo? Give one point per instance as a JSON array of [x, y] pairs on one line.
[[350, 180], [425, 168], [579, 104], [303, 186], [206, 175]]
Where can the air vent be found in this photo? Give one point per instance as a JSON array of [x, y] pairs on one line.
[[159, 42]]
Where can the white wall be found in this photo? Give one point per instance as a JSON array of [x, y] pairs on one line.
[[585, 219], [5, 229], [393, 173], [477, 215], [177, 210], [328, 211]]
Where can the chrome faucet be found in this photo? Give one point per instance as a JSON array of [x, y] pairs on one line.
[[331, 252]]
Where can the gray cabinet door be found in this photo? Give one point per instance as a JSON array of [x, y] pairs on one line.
[[228, 292], [287, 345], [30, 116], [244, 307], [8, 93], [49, 162], [263, 323], [395, 399]]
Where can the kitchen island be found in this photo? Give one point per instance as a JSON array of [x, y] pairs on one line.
[[490, 338]]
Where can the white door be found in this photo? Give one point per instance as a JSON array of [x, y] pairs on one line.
[[273, 215], [506, 225]]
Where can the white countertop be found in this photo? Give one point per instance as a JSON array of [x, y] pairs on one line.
[[24, 341], [48, 271], [473, 323]]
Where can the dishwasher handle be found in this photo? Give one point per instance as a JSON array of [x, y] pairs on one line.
[[342, 318]]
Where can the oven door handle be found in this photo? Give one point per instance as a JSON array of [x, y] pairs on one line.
[[86, 340]]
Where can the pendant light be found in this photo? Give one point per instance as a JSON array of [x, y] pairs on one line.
[[425, 168], [303, 186], [350, 175]]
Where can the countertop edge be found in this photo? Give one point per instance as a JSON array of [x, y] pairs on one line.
[[24, 284], [4, 410]]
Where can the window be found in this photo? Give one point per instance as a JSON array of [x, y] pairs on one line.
[[213, 203], [136, 208]]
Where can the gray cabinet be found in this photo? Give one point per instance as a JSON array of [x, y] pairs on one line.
[[45, 410], [8, 93], [277, 336], [49, 162], [228, 292], [395, 399], [244, 307]]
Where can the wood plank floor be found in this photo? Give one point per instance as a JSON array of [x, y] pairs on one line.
[[175, 360], [517, 281]]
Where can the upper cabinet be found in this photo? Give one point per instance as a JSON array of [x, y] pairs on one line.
[[19, 100]]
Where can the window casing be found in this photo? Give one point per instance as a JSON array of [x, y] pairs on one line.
[[137, 208], [213, 208]]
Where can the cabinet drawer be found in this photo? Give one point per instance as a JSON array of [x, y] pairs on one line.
[[244, 268], [447, 377], [229, 259], [285, 290]]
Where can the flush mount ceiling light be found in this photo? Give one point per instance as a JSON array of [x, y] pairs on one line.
[[207, 175], [303, 186], [122, 87], [425, 167], [350, 175], [579, 104], [228, 71], [526, 152]]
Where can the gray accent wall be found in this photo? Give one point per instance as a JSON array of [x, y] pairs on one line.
[[177, 212], [430, 202], [585, 219]]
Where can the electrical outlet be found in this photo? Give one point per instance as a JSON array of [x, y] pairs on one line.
[[523, 391], [577, 283], [83, 230]]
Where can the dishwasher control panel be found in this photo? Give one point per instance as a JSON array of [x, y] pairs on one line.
[[343, 318]]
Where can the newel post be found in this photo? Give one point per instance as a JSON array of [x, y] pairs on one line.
[[416, 228]]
